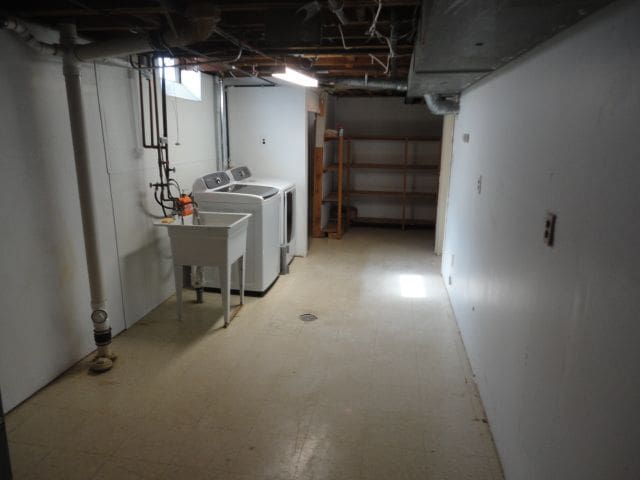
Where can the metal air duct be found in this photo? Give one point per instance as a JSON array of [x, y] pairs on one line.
[[366, 84]]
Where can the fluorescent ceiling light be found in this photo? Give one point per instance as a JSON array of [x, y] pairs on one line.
[[293, 76]]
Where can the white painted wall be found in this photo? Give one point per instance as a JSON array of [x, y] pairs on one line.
[[553, 334], [45, 296], [143, 249], [279, 116]]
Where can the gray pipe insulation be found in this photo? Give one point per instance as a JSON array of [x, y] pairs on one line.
[[200, 29], [23, 32], [73, 54]]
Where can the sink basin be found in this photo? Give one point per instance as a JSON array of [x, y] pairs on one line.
[[217, 240]]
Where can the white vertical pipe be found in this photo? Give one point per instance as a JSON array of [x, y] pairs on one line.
[[218, 98], [99, 317]]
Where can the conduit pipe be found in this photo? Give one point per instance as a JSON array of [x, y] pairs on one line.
[[441, 105]]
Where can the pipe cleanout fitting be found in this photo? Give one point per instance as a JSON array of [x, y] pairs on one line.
[[103, 360]]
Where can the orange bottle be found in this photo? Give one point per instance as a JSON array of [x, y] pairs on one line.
[[187, 205]]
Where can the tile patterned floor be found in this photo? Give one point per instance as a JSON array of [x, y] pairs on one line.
[[378, 387]]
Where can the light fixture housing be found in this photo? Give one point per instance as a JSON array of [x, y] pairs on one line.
[[293, 76]]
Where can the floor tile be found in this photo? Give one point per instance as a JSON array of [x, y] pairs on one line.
[[377, 387], [127, 469]]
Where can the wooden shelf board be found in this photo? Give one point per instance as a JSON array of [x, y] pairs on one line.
[[330, 227], [393, 138], [383, 166], [385, 193], [333, 196], [392, 221]]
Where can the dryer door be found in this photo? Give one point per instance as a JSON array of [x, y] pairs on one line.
[[289, 214]]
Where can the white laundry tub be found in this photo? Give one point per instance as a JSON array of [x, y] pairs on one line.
[[217, 240]]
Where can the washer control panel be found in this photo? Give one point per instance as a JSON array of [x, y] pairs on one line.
[[216, 179]]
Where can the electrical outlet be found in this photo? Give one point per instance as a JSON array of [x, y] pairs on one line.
[[479, 184], [550, 229], [465, 137], [450, 280]]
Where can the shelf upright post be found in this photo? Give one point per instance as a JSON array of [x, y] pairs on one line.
[[348, 191], [340, 160], [404, 182], [318, 159]]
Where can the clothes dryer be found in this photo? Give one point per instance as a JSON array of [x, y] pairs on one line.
[[243, 175]]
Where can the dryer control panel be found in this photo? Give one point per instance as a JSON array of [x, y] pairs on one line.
[[240, 173], [216, 179]]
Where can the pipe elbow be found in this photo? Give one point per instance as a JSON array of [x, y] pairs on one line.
[[440, 105]]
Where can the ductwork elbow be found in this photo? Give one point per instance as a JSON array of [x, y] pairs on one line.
[[201, 24], [440, 105]]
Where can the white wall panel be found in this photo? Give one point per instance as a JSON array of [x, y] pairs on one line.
[[553, 333], [45, 325], [268, 133]]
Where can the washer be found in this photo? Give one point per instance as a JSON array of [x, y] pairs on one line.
[[216, 192], [242, 175]]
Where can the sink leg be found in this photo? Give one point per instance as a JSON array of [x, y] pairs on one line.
[[241, 277], [177, 274], [225, 278]]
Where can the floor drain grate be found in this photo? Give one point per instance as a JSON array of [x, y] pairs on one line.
[[307, 317]]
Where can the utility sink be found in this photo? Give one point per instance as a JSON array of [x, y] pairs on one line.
[[216, 240]]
